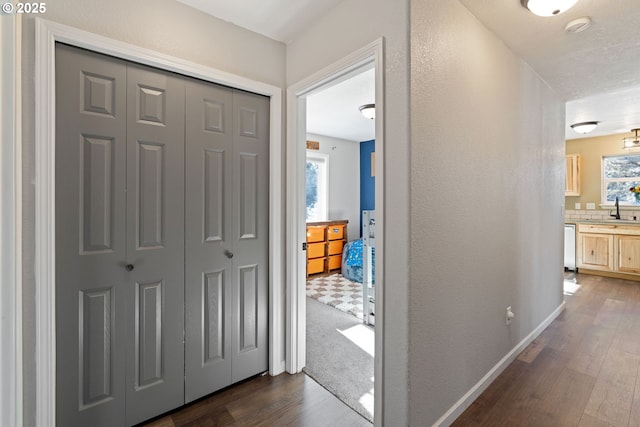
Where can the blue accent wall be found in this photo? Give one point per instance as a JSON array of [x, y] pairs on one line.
[[367, 182]]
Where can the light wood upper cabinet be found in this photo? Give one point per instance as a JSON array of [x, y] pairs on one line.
[[572, 179]]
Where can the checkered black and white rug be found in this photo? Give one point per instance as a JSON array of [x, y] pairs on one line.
[[337, 292]]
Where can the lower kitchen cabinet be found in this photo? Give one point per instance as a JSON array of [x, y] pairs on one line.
[[596, 251], [628, 250], [609, 249]]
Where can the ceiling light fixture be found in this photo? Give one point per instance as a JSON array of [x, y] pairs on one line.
[[547, 7], [584, 127], [631, 142], [368, 110]]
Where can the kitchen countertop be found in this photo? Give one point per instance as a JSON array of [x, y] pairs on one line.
[[602, 221]]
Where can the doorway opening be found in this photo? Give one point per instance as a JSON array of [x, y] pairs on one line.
[[334, 347]]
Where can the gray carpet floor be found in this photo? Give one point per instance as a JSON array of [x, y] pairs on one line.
[[334, 361]]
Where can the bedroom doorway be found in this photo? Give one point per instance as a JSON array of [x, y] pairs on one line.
[[338, 145]]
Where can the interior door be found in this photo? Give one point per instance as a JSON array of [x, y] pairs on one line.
[[119, 240], [209, 239], [155, 243], [249, 344], [91, 282], [226, 286], [129, 217]]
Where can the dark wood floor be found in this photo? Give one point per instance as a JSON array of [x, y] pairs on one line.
[[285, 400], [583, 370]]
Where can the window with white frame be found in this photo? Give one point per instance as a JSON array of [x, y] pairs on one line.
[[620, 174], [317, 199]]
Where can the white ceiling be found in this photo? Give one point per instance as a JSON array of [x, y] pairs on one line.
[[597, 71], [334, 111], [280, 20]]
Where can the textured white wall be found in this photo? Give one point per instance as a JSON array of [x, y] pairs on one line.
[[348, 27], [344, 179], [164, 26], [486, 204]]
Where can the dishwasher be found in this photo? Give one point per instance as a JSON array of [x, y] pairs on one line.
[[570, 247]]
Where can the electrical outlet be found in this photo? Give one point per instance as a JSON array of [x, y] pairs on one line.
[[578, 206], [510, 316], [591, 205]]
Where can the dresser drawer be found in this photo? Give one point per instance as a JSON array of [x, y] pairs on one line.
[[315, 265], [335, 247], [315, 233], [315, 250], [335, 262], [335, 232]]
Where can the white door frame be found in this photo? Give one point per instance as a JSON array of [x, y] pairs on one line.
[[47, 33], [11, 411], [295, 209]]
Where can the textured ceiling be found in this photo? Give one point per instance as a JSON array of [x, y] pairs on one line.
[[597, 71], [603, 58]]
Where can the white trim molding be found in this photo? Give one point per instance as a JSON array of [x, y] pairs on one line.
[[465, 401], [47, 34], [369, 56], [11, 411]]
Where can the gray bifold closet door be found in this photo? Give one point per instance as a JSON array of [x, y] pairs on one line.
[[226, 241], [127, 226]]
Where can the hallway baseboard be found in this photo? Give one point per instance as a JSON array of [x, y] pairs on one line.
[[465, 401]]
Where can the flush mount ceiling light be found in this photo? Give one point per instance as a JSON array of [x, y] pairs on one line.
[[548, 7], [584, 127], [631, 142], [368, 110]]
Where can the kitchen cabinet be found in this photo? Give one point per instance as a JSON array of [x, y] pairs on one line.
[[609, 249], [628, 250], [572, 177], [597, 251], [325, 241]]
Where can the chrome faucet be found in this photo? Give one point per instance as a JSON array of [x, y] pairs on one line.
[[617, 215]]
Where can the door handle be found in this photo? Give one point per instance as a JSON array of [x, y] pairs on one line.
[[228, 254], [129, 267]]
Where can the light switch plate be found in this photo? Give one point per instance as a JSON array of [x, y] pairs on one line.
[[591, 205], [578, 206]]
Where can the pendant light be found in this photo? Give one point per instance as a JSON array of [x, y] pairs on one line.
[[631, 142], [548, 7]]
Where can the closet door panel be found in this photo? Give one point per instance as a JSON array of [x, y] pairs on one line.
[[90, 238], [155, 242], [250, 233], [150, 189], [208, 274], [214, 194], [248, 197]]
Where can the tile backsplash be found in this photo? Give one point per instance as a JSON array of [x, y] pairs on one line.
[[599, 214]]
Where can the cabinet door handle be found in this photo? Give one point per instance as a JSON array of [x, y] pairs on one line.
[[129, 267], [228, 254]]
